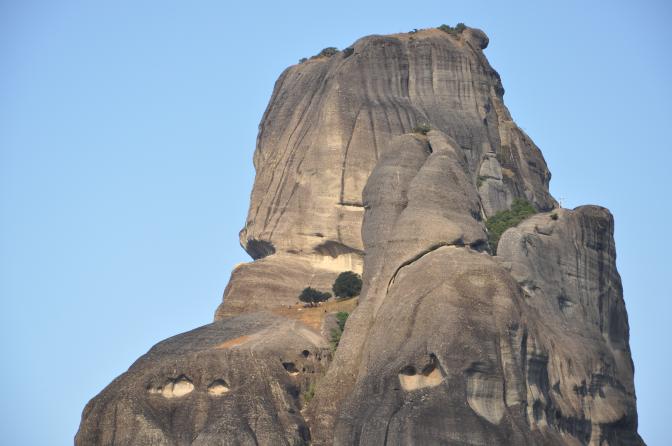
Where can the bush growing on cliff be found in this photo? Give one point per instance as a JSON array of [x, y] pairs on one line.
[[347, 284], [422, 128], [341, 317], [501, 221], [327, 52], [337, 332], [459, 28], [309, 393], [312, 297]]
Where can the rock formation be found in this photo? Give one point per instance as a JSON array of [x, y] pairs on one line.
[[387, 159]]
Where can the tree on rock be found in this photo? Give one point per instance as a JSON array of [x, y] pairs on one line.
[[347, 284], [311, 296]]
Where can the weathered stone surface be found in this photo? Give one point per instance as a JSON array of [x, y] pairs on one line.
[[238, 381], [495, 196], [565, 262], [448, 344], [331, 119], [277, 280], [501, 350]]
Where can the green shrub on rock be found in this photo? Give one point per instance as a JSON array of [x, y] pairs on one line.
[[337, 332], [311, 296], [347, 284], [422, 128], [327, 52], [309, 393], [501, 221], [341, 317], [458, 29]]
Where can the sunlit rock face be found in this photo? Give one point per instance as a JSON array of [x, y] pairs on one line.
[[388, 158], [221, 384], [329, 122]]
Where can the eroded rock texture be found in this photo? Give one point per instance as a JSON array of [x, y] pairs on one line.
[[238, 381], [448, 344]]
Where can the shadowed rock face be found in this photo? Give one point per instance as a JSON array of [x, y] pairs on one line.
[[448, 344]]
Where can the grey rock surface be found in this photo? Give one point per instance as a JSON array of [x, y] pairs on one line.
[[447, 344], [233, 382], [331, 119], [565, 263]]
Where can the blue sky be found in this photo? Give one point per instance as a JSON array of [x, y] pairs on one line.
[[126, 137]]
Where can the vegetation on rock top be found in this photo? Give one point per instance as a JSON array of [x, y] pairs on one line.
[[458, 29], [501, 221], [327, 52]]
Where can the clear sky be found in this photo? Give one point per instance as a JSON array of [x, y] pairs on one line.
[[126, 137]]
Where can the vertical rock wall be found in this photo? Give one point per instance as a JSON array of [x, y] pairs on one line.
[[447, 343]]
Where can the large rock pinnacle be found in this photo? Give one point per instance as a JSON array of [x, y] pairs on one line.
[[391, 158]]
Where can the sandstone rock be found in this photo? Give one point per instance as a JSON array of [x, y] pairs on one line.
[[230, 382], [277, 280], [495, 196], [447, 344], [331, 119], [566, 264]]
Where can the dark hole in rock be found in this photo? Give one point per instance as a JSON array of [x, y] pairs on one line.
[[258, 249], [218, 387], [290, 367], [304, 433], [537, 410], [431, 366], [429, 376], [564, 303], [334, 249], [581, 390], [479, 245]]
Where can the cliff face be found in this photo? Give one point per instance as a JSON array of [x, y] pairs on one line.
[[329, 122], [447, 344]]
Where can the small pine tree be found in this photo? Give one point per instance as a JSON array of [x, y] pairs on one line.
[[311, 296], [347, 284]]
